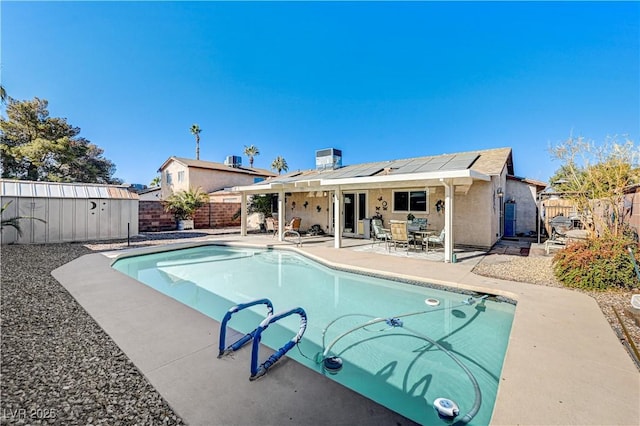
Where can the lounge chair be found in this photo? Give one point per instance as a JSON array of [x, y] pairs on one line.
[[400, 234], [379, 233]]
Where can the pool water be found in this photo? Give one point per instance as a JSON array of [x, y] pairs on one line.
[[394, 366]]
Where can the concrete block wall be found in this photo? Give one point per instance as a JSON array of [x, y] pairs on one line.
[[216, 215], [153, 218]]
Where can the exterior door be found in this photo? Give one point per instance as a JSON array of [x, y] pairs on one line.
[[355, 210]]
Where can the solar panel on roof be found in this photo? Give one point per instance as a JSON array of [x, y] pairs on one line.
[[409, 167], [370, 171]]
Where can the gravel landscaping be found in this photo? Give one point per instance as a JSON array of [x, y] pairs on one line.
[[59, 367]]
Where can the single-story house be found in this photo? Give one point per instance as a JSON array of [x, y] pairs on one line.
[[463, 193], [150, 194], [179, 174]]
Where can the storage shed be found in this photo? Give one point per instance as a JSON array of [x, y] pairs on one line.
[[68, 211]]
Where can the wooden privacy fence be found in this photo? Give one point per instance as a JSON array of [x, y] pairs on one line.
[[558, 207], [630, 210], [152, 216]]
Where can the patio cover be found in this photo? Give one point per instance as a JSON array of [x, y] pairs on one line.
[[450, 171]]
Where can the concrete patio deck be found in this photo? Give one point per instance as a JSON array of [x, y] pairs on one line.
[[564, 364]]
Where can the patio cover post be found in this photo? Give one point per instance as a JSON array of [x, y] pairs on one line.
[[448, 219], [281, 215], [337, 214], [243, 214]]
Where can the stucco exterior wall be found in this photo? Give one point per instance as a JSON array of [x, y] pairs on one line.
[[168, 188], [213, 180], [317, 210], [524, 196], [476, 218]]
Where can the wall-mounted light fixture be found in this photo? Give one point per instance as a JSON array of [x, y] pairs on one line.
[[499, 192]]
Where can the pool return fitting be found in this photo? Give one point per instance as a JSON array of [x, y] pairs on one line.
[[256, 335]]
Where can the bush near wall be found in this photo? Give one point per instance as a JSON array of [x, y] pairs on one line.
[[597, 264], [153, 218]]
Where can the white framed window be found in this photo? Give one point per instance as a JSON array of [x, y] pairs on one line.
[[169, 178], [411, 201], [181, 176]]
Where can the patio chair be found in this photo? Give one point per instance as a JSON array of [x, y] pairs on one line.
[[294, 225], [436, 240], [400, 234], [272, 225], [379, 233]]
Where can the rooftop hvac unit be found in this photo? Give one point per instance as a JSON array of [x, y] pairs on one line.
[[233, 161], [329, 158]]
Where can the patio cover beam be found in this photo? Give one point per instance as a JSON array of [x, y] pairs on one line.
[[448, 219]]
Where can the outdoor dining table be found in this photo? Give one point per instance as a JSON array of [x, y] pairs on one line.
[[423, 234]]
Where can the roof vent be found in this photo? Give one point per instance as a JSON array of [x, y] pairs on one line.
[[329, 158], [233, 161]]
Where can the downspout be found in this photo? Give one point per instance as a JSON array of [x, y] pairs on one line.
[[280, 214], [337, 214], [243, 214], [448, 219]]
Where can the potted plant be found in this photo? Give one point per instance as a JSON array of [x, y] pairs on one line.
[[410, 217], [183, 206]]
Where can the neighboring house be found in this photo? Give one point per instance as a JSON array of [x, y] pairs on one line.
[[150, 194], [462, 193], [179, 174]]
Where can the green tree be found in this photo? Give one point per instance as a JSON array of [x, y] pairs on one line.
[[279, 164], [3, 95], [155, 182], [251, 151], [195, 130], [595, 177], [35, 146]]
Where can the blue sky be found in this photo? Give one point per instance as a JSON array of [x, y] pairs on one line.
[[377, 80]]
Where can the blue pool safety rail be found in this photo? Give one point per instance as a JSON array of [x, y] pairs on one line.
[[247, 337], [261, 370]]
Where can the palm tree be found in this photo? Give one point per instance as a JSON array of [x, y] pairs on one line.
[[251, 151], [279, 164], [195, 130], [155, 182]]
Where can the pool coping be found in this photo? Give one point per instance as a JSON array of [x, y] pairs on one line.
[[564, 364]]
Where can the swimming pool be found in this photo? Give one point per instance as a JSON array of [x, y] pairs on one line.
[[404, 368]]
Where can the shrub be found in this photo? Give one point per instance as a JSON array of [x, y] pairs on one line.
[[597, 264]]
